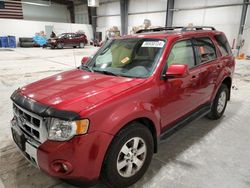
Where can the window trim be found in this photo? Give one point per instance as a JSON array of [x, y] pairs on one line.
[[172, 45], [215, 48], [219, 44]]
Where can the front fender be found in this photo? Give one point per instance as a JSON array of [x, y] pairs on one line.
[[111, 120]]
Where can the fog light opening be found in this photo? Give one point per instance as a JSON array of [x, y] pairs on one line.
[[61, 167], [65, 168]]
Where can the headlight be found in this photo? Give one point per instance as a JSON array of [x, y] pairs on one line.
[[61, 130]]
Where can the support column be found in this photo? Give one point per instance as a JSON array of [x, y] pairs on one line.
[[71, 9], [242, 25], [93, 18], [243, 16], [169, 13], [124, 16]]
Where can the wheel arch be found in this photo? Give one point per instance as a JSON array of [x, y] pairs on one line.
[[145, 121], [228, 82], [150, 125]]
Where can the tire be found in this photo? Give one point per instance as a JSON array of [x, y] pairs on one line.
[[59, 46], [81, 45], [25, 39], [27, 44], [219, 103], [125, 139]]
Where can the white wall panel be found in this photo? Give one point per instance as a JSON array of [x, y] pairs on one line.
[[105, 23], [198, 3], [157, 19], [146, 5], [226, 19], [53, 13], [137, 6], [109, 8]]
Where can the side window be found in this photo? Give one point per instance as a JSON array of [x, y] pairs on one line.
[[223, 44], [182, 53], [205, 50]]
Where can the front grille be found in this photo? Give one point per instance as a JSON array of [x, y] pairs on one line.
[[30, 123]]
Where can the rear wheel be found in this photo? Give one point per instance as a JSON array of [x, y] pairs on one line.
[[128, 156], [219, 103]]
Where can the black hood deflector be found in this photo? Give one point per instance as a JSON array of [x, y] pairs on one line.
[[42, 109]]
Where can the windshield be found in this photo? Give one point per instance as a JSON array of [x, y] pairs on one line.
[[128, 57], [61, 35]]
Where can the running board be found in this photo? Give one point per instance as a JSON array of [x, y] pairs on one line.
[[186, 120]]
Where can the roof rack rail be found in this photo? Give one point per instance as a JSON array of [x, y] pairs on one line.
[[191, 28]]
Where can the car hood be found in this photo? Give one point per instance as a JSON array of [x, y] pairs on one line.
[[77, 90]]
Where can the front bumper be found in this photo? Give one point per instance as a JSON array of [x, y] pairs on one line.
[[51, 44], [83, 155]]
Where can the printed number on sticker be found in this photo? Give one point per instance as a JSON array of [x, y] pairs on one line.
[[153, 44]]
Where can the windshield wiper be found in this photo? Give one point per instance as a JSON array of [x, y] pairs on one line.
[[87, 68], [106, 72]]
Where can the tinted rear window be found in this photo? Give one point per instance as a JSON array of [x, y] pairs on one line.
[[223, 44], [205, 49]]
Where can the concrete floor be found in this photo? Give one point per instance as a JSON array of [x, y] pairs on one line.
[[203, 154]]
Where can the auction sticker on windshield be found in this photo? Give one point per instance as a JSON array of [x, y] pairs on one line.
[[153, 44]]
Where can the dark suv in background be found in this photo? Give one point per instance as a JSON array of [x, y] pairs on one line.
[[68, 40]]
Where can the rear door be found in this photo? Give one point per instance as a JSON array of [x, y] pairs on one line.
[[209, 65], [179, 95], [67, 39], [73, 39]]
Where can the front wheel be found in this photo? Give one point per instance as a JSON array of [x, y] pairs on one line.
[[219, 103], [59, 46], [128, 156]]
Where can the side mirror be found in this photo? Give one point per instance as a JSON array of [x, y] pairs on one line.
[[177, 71], [85, 60]]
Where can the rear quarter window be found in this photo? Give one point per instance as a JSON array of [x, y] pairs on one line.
[[205, 50], [223, 44]]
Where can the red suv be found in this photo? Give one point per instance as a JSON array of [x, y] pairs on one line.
[[68, 40], [105, 118]]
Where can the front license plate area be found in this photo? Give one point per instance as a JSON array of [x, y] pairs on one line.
[[19, 138]]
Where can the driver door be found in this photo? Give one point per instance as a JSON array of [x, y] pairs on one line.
[[179, 95]]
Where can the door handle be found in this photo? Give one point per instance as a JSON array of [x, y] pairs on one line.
[[193, 81], [194, 77]]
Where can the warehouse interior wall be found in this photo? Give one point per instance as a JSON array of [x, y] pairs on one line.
[[53, 13], [18, 28], [105, 22], [226, 19], [139, 10], [81, 14]]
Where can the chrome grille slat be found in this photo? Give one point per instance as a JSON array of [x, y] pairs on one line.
[[31, 123]]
